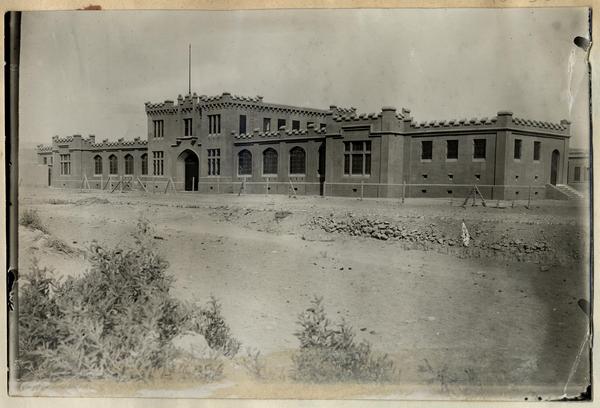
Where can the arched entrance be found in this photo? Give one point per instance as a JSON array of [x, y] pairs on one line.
[[554, 167], [189, 163]]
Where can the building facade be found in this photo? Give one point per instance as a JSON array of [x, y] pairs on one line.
[[219, 143]]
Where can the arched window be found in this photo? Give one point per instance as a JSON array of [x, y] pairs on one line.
[[97, 165], [270, 161], [144, 164], [129, 164], [244, 163], [297, 161], [113, 166]]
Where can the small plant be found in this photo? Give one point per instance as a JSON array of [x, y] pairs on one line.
[[332, 355], [254, 364], [31, 219], [59, 245], [216, 332]]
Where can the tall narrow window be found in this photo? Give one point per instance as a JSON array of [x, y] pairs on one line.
[[144, 164], [97, 165], [479, 146], [281, 123], [242, 124], [537, 148], [270, 161], [187, 125], [295, 125], [357, 158], [517, 149], [158, 158], [297, 160], [244, 163], [159, 127], [266, 124], [214, 124], [128, 164], [577, 175], [214, 162], [426, 150], [452, 149], [65, 164], [113, 164]]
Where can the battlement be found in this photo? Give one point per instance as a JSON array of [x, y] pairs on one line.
[[43, 148], [120, 143], [502, 119]]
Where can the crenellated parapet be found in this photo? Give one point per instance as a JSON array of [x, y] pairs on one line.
[[503, 120], [43, 148]]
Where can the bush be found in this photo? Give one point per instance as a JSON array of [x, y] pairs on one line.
[[31, 219], [332, 355], [117, 320], [254, 364]]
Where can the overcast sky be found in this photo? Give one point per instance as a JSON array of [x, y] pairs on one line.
[[91, 72]]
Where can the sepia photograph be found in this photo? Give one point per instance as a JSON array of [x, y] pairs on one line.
[[372, 204]]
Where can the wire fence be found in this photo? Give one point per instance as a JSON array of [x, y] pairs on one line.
[[297, 186]]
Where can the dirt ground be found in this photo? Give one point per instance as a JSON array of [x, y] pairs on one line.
[[498, 319]]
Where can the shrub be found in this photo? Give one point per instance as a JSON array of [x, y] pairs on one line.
[[117, 320], [254, 364], [216, 332], [31, 219], [332, 355]]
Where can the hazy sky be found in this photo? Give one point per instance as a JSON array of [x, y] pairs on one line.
[[91, 72]]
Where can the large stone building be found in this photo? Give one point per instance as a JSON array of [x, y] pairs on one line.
[[213, 144]]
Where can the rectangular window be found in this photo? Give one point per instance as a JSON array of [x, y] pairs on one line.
[[266, 124], [281, 123], [479, 148], [537, 148], [357, 158], [65, 164], [158, 163], [309, 124], [242, 124], [45, 160], [426, 150], [144, 164], [214, 124], [295, 125], [214, 162], [452, 149], [159, 127], [187, 124], [517, 149]]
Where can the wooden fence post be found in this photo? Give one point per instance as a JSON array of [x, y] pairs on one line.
[[403, 190]]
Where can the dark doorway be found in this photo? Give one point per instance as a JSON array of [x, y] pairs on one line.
[[554, 167], [191, 172], [49, 176], [321, 169]]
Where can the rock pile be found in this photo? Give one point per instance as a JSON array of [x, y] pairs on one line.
[[383, 230]]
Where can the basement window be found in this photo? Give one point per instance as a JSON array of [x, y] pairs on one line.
[[449, 191], [516, 178], [423, 191], [478, 176], [450, 177], [425, 176]]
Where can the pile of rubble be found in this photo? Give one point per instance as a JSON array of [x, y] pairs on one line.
[[383, 230], [426, 233]]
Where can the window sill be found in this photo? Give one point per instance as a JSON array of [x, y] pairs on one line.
[[426, 160], [451, 160], [270, 175], [297, 175], [478, 160], [517, 160], [357, 175]]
